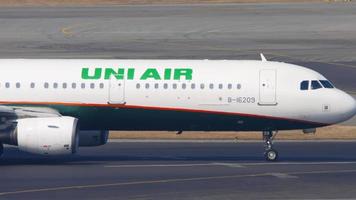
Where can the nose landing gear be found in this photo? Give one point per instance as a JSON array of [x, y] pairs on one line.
[[270, 153]]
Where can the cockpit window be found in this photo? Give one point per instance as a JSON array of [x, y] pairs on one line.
[[315, 85], [326, 84], [304, 85]]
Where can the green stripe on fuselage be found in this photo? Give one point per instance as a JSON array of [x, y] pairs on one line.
[[109, 118]]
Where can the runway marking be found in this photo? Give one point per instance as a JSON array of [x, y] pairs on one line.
[[78, 187], [232, 165], [68, 30], [283, 175], [159, 165]]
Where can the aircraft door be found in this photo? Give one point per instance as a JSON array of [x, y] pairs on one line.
[[116, 91], [268, 87]]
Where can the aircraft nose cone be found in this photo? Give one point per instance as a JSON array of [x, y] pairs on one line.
[[354, 107], [350, 106]]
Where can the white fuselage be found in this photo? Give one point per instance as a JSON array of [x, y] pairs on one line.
[[252, 89]]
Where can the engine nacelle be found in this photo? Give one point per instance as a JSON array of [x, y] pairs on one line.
[[93, 138], [48, 136]]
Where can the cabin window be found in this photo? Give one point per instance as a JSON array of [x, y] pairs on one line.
[[147, 86], [193, 86], [184, 86], [326, 84], [238, 86], [18, 85], [315, 85], [229, 86], [46, 85], [211, 86], [55, 85], [82, 85], [221, 86], [202, 86], [304, 85], [174, 85], [7, 85], [156, 85], [138, 86], [165, 86], [92, 85], [74, 85], [64, 85], [32, 85], [101, 85]]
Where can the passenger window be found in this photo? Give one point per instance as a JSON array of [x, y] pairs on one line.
[[74, 85], [220, 86], [156, 85], [202, 86], [101, 85], [193, 86], [326, 84], [211, 86], [184, 86], [46, 85], [238, 86], [315, 85], [32, 85], [55, 85], [174, 85], [18, 85], [304, 85], [82, 85], [138, 86], [165, 86], [64, 85], [92, 85], [7, 85], [229, 86]]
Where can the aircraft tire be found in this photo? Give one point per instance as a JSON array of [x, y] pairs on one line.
[[271, 155]]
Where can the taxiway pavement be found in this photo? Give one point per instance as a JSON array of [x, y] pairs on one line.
[[184, 170]]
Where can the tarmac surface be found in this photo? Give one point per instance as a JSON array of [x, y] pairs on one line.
[[184, 170]]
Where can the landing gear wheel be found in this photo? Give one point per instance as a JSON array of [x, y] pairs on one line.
[[271, 155]]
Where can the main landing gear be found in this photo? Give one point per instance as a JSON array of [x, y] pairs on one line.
[[270, 153]]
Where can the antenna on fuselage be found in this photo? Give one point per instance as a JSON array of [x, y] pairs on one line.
[[263, 58]]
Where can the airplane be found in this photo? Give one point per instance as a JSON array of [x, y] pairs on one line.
[[52, 106]]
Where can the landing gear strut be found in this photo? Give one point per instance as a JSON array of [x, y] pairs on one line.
[[270, 153]]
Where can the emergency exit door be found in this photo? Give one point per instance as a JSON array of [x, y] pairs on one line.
[[116, 91], [268, 87]]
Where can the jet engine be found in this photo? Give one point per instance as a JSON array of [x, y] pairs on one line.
[[47, 136]]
